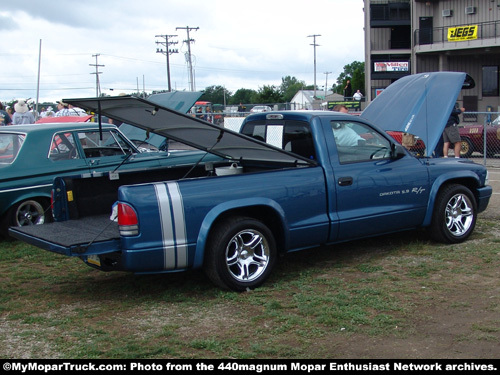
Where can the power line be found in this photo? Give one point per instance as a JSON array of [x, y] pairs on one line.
[[167, 52], [190, 63], [97, 72]]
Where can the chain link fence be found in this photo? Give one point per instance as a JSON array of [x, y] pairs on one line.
[[480, 134]]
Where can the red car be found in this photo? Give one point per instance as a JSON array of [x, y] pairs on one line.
[[473, 139]]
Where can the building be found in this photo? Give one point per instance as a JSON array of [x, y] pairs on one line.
[[415, 36], [305, 99]]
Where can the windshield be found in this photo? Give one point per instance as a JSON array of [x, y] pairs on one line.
[[10, 145]]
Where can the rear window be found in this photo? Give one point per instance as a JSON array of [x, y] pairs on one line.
[[293, 136], [10, 145]]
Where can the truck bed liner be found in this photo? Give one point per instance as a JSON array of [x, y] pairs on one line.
[[75, 232]]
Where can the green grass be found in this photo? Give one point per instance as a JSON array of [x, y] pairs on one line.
[[373, 290]]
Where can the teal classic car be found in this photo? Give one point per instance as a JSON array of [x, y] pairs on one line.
[[32, 155]]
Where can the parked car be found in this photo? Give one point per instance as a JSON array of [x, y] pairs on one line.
[[473, 139], [261, 108], [32, 155]]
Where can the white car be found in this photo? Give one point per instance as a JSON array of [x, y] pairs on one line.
[[261, 108]]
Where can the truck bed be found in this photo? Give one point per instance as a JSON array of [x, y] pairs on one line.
[[74, 232]]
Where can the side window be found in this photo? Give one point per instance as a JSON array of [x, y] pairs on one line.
[[110, 144], [357, 142], [63, 147]]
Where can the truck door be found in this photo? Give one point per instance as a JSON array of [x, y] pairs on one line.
[[373, 193]]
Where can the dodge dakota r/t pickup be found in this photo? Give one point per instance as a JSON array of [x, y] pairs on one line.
[[289, 180]]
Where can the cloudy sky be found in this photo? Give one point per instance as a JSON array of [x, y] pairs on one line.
[[238, 44]]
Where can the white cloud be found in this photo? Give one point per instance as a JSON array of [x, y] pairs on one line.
[[238, 44]]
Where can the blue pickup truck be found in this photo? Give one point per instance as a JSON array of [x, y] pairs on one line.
[[289, 180]]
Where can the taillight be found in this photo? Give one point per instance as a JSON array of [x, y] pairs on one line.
[[127, 220]]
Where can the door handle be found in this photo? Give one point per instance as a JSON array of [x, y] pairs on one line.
[[345, 181]]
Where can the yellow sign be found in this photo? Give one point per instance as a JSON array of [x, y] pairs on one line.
[[70, 195], [461, 33]]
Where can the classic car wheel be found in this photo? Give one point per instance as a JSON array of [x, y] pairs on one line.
[[455, 214], [240, 254], [466, 148], [28, 212]]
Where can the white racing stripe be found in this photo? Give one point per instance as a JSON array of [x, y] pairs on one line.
[[173, 225]]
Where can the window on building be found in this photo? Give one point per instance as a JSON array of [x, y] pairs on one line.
[[490, 81]]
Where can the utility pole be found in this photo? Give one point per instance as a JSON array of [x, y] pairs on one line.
[[167, 52], [326, 81], [315, 45], [97, 72], [189, 61]]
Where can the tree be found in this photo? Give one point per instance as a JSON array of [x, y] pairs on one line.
[[242, 96], [216, 95], [289, 87], [356, 73], [267, 95]]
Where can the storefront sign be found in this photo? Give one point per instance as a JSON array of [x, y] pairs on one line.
[[461, 33], [396, 66]]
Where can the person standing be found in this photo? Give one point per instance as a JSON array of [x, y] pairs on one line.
[[4, 117], [22, 114], [451, 135], [62, 109], [348, 90]]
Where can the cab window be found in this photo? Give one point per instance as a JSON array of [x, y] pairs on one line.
[[357, 142]]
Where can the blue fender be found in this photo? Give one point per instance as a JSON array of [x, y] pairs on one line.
[[218, 210], [439, 182]]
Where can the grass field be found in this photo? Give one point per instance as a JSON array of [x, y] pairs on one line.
[[398, 296]]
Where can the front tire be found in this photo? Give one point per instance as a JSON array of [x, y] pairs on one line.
[[455, 214], [240, 254]]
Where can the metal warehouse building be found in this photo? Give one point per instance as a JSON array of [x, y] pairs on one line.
[[414, 36]]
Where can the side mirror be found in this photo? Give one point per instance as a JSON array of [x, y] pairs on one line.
[[397, 151]]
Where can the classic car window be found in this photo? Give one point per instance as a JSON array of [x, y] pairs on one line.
[[111, 143], [10, 145], [358, 142], [63, 147]]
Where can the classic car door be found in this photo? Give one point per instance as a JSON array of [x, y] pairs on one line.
[[374, 193]]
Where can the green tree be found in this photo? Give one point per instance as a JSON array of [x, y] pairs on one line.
[[216, 95], [267, 95], [356, 73], [242, 96], [289, 87]]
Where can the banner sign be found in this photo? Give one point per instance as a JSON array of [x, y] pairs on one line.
[[461, 33], [395, 66]]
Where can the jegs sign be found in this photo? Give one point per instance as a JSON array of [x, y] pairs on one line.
[[461, 33]]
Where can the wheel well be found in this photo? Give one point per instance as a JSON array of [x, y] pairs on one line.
[[469, 183], [265, 214]]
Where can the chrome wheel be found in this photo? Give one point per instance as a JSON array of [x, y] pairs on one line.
[[459, 215], [29, 212], [247, 255]]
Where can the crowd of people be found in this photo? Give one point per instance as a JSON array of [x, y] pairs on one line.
[[22, 113]]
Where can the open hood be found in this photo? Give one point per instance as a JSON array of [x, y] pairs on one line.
[[187, 129], [419, 104]]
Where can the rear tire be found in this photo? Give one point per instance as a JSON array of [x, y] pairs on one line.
[[240, 254], [455, 214]]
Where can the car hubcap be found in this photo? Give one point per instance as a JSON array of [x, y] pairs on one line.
[[30, 213], [247, 255], [459, 215]]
